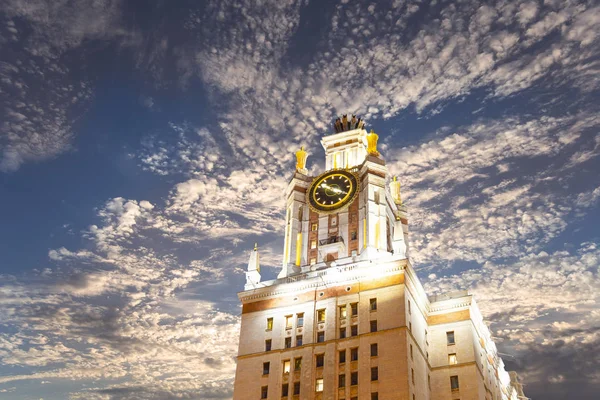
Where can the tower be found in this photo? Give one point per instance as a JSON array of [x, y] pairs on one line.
[[347, 317]]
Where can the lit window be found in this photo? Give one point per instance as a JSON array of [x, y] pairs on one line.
[[342, 381], [450, 337], [454, 382], [354, 330], [287, 365], [320, 337], [373, 304], [299, 340], [313, 261], [320, 360], [269, 324], [354, 378], [268, 345], [342, 356], [297, 364], [452, 359], [343, 312], [374, 350], [266, 368], [299, 320], [296, 388], [374, 326], [264, 392], [313, 244], [354, 308], [374, 373], [284, 390], [321, 315], [288, 322], [354, 354], [314, 227], [319, 385], [288, 342], [342, 333]]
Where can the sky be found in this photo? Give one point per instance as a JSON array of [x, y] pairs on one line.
[[145, 147]]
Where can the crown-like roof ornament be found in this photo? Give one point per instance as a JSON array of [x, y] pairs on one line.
[[344, 124]]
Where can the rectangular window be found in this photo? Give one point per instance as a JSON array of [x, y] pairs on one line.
[[266, 368], [319, 385], [313, 261], [450, 337], [374, 350], [410, 326], [321, 315], [374, 373], [297, 364], [354, 330], [354, 354], [454, 382], [287, 366], [342, 356], [268, 345], [299, 340], [320, 360], [299, 320], [412, 374], [452, 359], [342, 333], [353, 235], [411, 352], [375, 396], [342, 312], [354, 308], [288, 322], [296, 388], [354, 378], [342, 380], [284, 390], [373, 304], [334, 221], [374, 326], [264, 392], [288, 342], [314, 227], [313, 244], [429, 381], [320, 336], [269, 324], [409, 310]]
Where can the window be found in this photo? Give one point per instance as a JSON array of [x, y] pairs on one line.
[[313, 244], [284, 390], [299, 320], [334, 221], [321, 315], [264, 392], [374, 326], [288, 342], [288, 322], [342, 333], [410, 326], [296, 388], [342, 356], [450, 337], [376, 195], [343, 312], [373, 304], [375, 396], [314, 227], [287, 366], [454, 382], [320, 360], [354, 354], [299, 340], [409, 310], [268, 345], [452, 359], [412, 374], [269, 324], [354, 378], [313, 261], [354, 330], [374, 373], [320, 336], [374, 350], [354, 308], [353, 235], [266, 368], [429, 381], [411, 352], [319, 385], [342, 381]]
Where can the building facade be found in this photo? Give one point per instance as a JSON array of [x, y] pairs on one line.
[[347, 317]]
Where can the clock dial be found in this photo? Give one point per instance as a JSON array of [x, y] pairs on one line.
[[332, 190]]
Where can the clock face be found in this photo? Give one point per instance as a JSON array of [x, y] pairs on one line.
[[332, 190]]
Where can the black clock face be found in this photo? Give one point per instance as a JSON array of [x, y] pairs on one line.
[[332, 190]]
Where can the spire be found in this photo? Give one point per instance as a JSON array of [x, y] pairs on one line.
[[372, 138], [253, 272], [301, 156]]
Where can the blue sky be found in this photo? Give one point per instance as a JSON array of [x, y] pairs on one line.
[[145, 147]]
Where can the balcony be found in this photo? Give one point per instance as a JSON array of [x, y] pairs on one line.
[[332, 248], [331, 240]]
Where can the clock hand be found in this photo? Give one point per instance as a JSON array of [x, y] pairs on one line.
[[336, 190]]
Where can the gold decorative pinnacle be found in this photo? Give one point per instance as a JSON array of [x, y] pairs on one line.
[[301, 156], [372, 139]]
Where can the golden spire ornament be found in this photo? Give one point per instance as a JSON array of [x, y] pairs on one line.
[[372, 138], [301, 156]]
